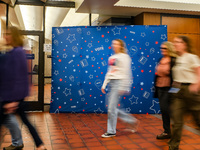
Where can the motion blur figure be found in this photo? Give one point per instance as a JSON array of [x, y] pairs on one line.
[[186, 76], [163, 83], [14, 85], [119, 77], [10, 120]]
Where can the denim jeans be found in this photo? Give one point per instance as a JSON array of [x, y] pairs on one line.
[[25, 120], [113, 112], [11, 123], [23, 116]]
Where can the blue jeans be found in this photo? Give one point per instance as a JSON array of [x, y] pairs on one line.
[[25, 120], [11, 123], [113, 112]]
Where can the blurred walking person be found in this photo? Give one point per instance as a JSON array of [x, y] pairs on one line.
[[163, 83], [10, 120], [14, 84], [186, 96], [119, 77]]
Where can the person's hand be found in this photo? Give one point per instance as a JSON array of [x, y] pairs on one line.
[[194, 88], [10, 107], [122, 92], [103, 91]]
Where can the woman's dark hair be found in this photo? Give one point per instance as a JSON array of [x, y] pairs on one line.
[[187, 41]]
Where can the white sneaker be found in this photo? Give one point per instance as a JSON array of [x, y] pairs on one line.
[[106, 135], [132, 127], [130, 130]]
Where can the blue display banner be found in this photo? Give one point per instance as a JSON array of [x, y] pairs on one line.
[[30, 56], [80, 61]]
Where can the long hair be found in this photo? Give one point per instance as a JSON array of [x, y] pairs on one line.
[[187, 41], [170, 49], [123, 46], [17, 38]]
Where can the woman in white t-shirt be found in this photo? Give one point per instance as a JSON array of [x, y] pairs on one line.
[[119, 77], [186, 77]]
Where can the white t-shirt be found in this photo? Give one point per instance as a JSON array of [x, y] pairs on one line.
[[184, 69], [119, 68]]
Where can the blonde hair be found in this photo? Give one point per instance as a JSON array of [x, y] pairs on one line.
[[17, 38], [170, 48], [123, 46]]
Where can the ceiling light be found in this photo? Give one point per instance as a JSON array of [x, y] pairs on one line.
[[180, 1], [161, 4]]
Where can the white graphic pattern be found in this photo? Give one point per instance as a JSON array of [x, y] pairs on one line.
[[133, 100]]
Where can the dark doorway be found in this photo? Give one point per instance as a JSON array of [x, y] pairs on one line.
[[35, 59]]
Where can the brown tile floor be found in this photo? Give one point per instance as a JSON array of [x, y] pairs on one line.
[[33, 94], [83, 132]]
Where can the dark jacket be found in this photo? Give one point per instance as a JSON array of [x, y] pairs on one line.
[[13, 75], [172, 63]]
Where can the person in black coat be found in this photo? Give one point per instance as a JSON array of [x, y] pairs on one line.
[[163, 83]]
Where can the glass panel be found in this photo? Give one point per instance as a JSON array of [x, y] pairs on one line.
[[47, 90], [31, 45], [26, 17], [47, 81]]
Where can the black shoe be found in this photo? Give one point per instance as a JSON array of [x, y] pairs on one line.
[[163, 136], [173, 148], [11, 147]]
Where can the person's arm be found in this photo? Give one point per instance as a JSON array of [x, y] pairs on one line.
[[196, 86], [198, 76], [126, 82], [106, 81], [163, 70], [10, 107]]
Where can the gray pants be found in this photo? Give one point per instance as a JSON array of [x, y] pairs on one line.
[[113, 112], [11, 123]]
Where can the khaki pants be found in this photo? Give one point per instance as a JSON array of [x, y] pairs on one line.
[[182, 102]]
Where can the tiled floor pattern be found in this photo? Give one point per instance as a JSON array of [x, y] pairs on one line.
[[83, 132]]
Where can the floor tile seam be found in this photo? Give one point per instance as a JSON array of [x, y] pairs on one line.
[[77, 133], [21, 124], [138, 134], [145, 138], [184, 126], [62, 132], [114, 138], [101, 128], [131, 138], [6, 132], [2, 137], [48, 132], [91, 131]]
